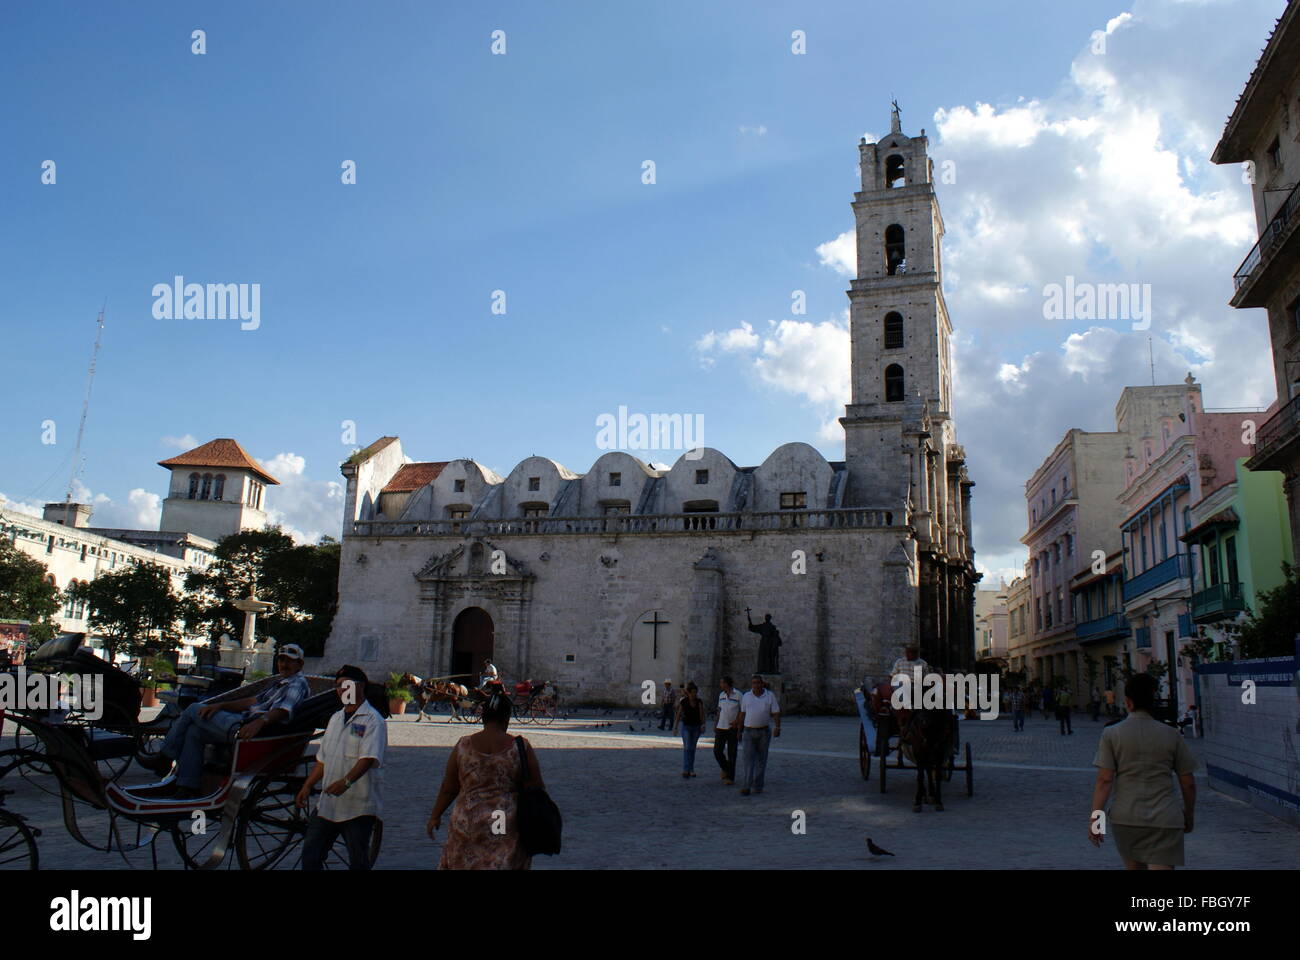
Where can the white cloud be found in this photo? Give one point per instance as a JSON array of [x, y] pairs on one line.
[[142, 510], [305, 509], [187, 442], [799, 357], [758, 131], [20, 506], [840, 254]]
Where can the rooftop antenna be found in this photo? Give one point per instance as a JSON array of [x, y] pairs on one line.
[[85, 406], [1152, 354]]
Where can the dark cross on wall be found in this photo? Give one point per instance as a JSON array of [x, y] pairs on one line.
[[656, 623]]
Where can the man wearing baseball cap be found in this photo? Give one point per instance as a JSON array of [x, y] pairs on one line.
[[215, 722]]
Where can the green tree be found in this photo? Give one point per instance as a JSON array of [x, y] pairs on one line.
[[302, 582], [133, 609], [1272, 633], [26, 593]]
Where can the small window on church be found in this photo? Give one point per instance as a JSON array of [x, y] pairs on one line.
[[894, 172], [458, 486], [194, 485], [701, 476], [893, 383], [220, 489], [534, 483], [616, 508], [1275, 154], [893, 331], [616, 479], [206, 491], [533, 510], [458, 512], [895, 249], [794, 501]]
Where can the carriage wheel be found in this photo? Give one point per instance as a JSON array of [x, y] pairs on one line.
[[544, 712], [17, 844], [271, 826], [864, 754], [196, 838], [970, 774], [271, 829], [31, 749]]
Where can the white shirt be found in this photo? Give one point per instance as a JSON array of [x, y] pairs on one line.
[[348, 739], [904, 665], [728, 708], [759, 711]]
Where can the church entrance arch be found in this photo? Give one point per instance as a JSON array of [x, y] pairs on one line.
[[471, 643], [656, 649]]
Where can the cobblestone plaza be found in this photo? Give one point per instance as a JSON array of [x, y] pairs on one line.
[[626, 806]]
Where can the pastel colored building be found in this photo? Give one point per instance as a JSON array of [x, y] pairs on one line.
[[1169, 470]]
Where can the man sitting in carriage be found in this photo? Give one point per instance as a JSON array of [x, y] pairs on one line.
[[203, 723]]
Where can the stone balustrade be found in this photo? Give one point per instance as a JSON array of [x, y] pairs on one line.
[[618, 524]]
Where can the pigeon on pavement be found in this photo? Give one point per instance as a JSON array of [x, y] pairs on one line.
[[877, 851]]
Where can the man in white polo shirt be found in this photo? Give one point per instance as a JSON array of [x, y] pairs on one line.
[[727, 732], [349, 759], [760, 721]]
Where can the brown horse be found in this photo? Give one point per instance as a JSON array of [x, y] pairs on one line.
[[425, 692], [926, 738]]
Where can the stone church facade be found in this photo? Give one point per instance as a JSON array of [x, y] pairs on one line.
[[623, 574]]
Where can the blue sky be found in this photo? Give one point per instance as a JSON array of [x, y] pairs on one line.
[[522, 173]]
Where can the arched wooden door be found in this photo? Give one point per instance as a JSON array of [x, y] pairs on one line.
[[471, 643]]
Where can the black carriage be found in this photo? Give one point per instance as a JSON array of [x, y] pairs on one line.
[[247, 802]]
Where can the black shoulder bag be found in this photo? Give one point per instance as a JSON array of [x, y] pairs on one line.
[[540, 823]]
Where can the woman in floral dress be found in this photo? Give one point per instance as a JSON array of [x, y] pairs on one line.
[[482, 778]]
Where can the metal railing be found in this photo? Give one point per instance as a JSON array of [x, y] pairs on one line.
[[1263, 248], [1114, 623], [1279, 427], [1161, 573], [838, 519], [1215, 601]]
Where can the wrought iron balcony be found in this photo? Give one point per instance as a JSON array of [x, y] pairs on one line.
[[1162, 573], [1219, 602], [1261, 253], [1280, 429], [1111, 625]]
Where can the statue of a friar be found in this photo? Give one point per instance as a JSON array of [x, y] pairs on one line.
[[769, 659]]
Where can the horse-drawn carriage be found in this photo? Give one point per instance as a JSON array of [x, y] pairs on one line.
[[927, 741], [247, 800], [536, 704]]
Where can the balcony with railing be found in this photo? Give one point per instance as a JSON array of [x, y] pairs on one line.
[[1278, 432], [1223, 601], [1157, 576], [1262, 255], [1103, 628], [618, 524]]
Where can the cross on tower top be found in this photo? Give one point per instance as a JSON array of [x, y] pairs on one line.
[[895, 123]]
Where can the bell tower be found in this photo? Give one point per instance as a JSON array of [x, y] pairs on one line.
[[898, 322]]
